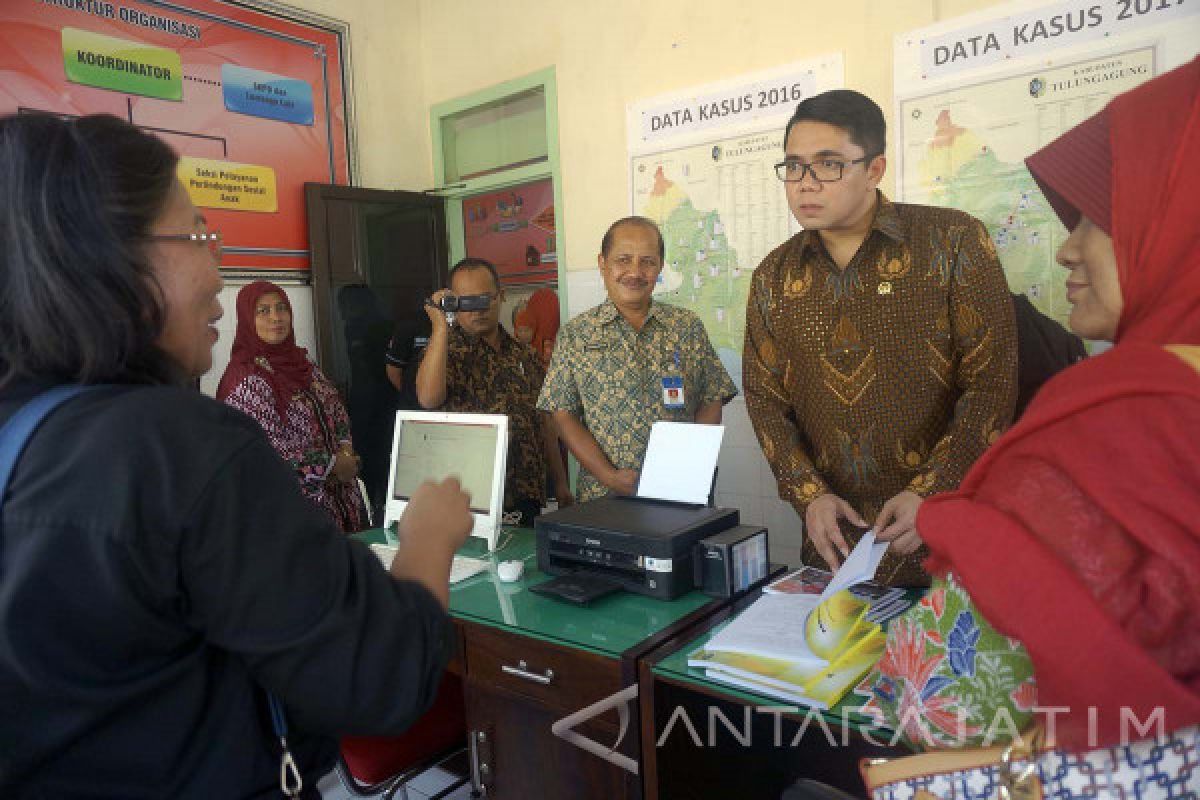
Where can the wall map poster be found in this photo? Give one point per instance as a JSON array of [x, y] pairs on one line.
[[976, 95], [721, 210], [701, 165], [965, 147], [252, 102]]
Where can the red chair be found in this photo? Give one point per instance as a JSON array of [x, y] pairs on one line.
[[381, 766]]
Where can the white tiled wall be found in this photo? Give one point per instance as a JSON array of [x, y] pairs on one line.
[[745, 482]]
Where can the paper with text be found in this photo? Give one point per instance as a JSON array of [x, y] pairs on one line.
[[773, 628]]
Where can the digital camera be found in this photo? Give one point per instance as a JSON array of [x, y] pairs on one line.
[[451, 303]]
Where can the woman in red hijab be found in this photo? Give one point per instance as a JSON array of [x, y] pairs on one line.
[[270, 378], [541, 316], [1078, 533], [536, 325]]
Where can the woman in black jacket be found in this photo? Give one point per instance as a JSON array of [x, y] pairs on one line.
[[160, 575]]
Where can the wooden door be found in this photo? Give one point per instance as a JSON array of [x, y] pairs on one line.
[[376, 255]]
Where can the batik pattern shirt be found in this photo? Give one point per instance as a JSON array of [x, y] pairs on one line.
[[894, 373], [308, 437], [483, 380], [610, 377]]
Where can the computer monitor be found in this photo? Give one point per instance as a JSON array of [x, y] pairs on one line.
[[433, 445]]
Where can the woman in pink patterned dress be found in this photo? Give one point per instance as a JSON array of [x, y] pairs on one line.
[[272, 380]]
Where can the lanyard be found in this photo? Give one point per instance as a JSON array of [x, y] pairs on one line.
[[289, 776]]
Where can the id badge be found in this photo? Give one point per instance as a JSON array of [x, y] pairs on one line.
[[673, 391]]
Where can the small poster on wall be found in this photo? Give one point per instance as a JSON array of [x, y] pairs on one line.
[[514, 229]]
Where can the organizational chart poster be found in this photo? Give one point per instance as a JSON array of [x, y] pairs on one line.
[[252, 102]]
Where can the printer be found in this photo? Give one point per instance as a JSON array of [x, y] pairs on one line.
[[641, 544]]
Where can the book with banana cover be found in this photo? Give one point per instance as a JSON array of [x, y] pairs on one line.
[[800, 647]]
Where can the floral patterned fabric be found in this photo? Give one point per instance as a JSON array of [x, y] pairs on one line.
[[307, 437], [948, 679]]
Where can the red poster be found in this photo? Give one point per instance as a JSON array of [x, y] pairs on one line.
[[252, 102], [514, 229]]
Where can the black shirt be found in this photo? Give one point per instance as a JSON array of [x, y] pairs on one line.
[[409, 338], [1044, 348], [158, 568]]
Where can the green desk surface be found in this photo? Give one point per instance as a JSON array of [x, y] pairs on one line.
[[675, 667], [609, 626]]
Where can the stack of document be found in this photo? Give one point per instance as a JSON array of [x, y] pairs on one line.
[[808, 649]]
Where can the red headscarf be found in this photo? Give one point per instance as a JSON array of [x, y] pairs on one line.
[[542, 313], [1134, 170], [1079, 531], [289, 368]]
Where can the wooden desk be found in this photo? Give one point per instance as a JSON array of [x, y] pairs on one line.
[[528, 661], [766, 745]]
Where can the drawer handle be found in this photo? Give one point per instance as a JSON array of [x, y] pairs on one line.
[[522, 671]]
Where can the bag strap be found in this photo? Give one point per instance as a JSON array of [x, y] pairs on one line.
[[20, 428], [878, 773]]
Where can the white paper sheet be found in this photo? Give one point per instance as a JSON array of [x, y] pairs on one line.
[[680, 460], [772, 627], [859, 566]]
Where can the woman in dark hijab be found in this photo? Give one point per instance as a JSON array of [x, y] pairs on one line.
[[270, 378]]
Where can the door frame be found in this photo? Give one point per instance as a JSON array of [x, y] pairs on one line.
[[316, 201]]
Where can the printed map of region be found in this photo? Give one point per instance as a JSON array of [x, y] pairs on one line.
[[965, 148], [721, 210]]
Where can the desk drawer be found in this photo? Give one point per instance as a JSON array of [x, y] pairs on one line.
[[554, 675]]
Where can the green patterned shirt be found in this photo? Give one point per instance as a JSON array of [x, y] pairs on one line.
[[610, 377]]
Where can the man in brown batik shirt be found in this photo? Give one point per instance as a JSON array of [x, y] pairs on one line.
[[880, 353], [476, 366]]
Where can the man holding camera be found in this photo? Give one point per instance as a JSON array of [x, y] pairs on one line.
[[474, 365]]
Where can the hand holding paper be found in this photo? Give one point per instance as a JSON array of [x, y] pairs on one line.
[[860, 564]]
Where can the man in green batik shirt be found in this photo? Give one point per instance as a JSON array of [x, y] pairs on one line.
[[628, 362]]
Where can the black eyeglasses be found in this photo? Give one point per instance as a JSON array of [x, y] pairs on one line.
[[211, 239], [824, 170]]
